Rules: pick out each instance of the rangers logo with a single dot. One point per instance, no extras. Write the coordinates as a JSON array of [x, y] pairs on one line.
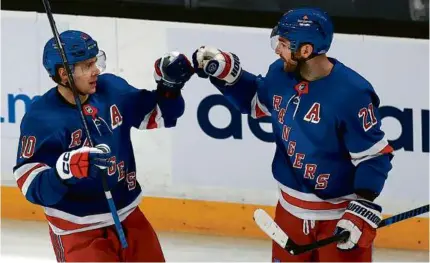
[[89, 110], [302, 87]]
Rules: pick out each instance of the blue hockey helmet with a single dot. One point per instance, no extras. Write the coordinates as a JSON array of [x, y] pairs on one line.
[[78, 46], [305, 26]]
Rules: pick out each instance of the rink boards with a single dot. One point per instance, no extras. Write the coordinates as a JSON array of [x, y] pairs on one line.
[[209, 173], [219, 218]]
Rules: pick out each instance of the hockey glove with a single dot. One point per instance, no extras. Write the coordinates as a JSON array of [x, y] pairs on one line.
[[210, 61], [83, 163], [361, 219], [171, 72]]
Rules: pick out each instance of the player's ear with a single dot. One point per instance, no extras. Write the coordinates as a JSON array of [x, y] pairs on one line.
[[63, 75], [306, 50]]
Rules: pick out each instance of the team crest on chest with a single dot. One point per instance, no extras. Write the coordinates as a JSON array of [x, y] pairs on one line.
[[302, 87], [314, 113]]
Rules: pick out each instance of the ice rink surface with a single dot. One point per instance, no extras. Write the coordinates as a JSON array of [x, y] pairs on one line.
[[25, 241]]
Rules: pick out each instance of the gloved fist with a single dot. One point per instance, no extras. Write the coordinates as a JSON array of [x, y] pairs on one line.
[[210, 61], [361, 219], [172, 71], [83, 162]]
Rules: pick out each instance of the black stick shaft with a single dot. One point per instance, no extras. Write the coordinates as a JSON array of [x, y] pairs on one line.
[[67, 68], [345, 235]]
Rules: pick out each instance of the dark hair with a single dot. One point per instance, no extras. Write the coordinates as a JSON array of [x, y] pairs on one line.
[[57, 77]]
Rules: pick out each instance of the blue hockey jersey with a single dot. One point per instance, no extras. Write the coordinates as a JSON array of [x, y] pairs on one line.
[[53, 126], [327, 133]]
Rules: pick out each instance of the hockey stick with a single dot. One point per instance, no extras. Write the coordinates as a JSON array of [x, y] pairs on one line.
[[108, 194], [268, 225]]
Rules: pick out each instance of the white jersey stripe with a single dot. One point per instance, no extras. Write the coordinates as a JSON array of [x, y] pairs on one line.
[[258, 107], [152, 120]]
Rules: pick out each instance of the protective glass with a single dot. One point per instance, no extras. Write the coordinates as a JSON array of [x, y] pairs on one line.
[[91, 67], [274, 38], [274, 42]]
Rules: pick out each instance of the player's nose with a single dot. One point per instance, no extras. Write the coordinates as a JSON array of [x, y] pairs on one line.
[[96, 72]]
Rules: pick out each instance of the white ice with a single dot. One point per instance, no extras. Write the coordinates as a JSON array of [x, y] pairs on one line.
[[23, 241]]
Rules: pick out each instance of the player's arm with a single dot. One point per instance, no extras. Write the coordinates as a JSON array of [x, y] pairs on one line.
[[367, 145], [371, 154], [44, 171], [243, 89], [144, 109]]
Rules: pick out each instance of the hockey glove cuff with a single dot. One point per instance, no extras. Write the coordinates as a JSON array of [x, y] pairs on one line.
[[361, 219]]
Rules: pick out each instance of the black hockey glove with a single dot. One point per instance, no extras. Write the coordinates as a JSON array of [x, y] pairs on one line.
[[171, 72]]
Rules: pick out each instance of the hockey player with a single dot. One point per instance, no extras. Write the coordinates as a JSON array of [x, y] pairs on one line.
[[331, 158], [57, 169]]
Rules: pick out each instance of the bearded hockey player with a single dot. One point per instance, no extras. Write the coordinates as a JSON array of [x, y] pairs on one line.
[[57, 169], [331, 158]]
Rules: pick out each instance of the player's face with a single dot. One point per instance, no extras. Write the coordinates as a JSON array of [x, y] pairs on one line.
[[283, 50], [86, 72]]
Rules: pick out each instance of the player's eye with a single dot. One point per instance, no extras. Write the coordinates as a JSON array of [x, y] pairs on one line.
[[285, 45], [90, 65]]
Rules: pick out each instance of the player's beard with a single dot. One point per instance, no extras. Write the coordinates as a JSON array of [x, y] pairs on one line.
[[293, 63], [290, 65]]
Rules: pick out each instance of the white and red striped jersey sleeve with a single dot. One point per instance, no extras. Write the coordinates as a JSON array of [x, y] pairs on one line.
[[39, 148], [364, 139]]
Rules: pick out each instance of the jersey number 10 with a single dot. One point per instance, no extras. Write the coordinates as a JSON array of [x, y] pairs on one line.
[[27, 146]]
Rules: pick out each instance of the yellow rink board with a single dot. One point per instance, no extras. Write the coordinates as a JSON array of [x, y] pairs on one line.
[[218, 218]]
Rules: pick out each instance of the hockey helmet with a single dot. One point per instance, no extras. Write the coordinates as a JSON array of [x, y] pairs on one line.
[[78, 46], [304, 26]]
